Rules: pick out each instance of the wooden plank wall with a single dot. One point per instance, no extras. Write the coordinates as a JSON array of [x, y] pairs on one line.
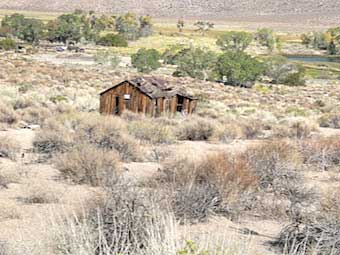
[[139, 102]]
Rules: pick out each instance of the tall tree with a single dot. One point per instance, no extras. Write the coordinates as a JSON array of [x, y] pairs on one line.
[[234, 40]]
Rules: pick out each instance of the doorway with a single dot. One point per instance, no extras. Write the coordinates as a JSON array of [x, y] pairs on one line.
[[180, 102], [116, 109]]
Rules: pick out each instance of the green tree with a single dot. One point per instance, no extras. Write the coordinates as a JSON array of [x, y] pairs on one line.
[[238, 68], [281, 71], [234, 40], [146, 25], [146, 60], [66, 28], [113, 40], [196, 63], [31, 31], [127, 25], [171, 55], [266, 37], [332, 50], [13, 23]]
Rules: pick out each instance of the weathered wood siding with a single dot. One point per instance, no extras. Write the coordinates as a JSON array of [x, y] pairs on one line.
[[140, 102]]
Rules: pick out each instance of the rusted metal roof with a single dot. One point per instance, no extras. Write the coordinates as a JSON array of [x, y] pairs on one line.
[[155, 88]]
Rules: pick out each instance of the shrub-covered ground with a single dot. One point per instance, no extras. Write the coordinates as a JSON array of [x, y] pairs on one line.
[[253, 171]]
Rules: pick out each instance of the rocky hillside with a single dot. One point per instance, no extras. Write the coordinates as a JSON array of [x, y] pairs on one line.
[[306, 10]]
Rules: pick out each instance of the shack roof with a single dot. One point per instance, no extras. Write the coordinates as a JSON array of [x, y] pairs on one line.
[[154, 87]]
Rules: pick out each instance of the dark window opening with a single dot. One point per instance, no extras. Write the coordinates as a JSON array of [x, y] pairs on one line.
[[116, 110], [180, 101]]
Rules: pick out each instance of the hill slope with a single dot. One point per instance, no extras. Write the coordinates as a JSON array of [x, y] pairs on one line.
[[218, 9]]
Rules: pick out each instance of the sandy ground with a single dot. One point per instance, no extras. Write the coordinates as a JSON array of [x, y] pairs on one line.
[[21, 222], [24, 221]]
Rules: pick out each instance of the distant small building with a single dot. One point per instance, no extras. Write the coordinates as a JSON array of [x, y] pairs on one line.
[[150, 96]]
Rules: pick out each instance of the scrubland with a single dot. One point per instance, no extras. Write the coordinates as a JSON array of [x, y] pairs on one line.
[[253, 171]]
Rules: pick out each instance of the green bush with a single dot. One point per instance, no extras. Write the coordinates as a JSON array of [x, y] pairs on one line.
[[146, 60], [234, 40], [196, 63], [7, 44], [238, 68], [112, 40]]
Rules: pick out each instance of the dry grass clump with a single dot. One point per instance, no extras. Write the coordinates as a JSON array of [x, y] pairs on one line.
[[196, 129], [130, 222], [131, 116], [151, 131], [330, 120], [282, 191], [8, 176], [41, 192], [8, 147], [51, 141], [331, 203], [216, 184], [231, 128], [277, 165], [7, 114], [324, 153], [87, 164], [9, 210], [34, 114], [22, 103], [317, 235], [108, 133], [295, 127]]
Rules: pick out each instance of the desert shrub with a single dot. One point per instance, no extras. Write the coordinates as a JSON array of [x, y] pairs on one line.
[[7, 44], [281, 71], [7, 114], [216, 184], [128, 223], [8, 147], [195, 129], [311, 235], [49, 141], [131, 116], [330, 120], [227, 132], [86, 164], [324, 153], [41, 192], [277, 165], [22, 103], [108, 133], [104, 57], [150, 131], [294, 127], [330, 204], [35, 115], [112, 40], [8, 176], [296, 78]]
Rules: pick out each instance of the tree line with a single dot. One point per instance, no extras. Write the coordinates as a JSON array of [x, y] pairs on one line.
[[233, 66], [78, 26]]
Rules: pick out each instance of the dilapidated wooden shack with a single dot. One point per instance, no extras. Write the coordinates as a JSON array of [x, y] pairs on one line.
[[150, 96]]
